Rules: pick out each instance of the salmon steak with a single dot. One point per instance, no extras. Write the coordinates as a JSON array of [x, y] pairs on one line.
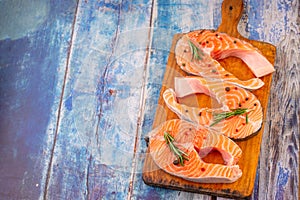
[[198, 53], [178, 146], [238, 115]]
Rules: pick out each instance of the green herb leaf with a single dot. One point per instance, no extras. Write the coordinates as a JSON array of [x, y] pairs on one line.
[[181, 155], [197, 54], [225, 115]]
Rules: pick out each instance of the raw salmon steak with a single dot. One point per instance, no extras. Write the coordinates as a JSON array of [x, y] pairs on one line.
[[198, 53], [239, 116], [220, 45], [196, 142]]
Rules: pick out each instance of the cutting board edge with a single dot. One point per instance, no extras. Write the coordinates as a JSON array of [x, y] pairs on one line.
[[221, 193]]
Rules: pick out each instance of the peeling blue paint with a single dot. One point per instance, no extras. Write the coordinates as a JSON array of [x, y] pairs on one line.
[[283, 177], [285, 6], [255, 15], [111, 5], [68, 103]]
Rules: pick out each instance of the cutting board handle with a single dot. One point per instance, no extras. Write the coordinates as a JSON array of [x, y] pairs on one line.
[[231, 15]]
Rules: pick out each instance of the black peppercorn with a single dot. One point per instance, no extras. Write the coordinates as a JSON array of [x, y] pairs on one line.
[[147, 140]]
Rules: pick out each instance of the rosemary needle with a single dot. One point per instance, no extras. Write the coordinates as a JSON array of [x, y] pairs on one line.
[[225, 115], [195, 51], [181, 155]]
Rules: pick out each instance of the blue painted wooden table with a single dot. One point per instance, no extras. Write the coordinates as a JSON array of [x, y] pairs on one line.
[[79, 84]]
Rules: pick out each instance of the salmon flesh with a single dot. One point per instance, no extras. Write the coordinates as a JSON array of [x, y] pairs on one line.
[[198, 53], [196, 141], [231, 98]]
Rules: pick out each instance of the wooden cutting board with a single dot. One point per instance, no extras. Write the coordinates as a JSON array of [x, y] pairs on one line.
[[243, 187]]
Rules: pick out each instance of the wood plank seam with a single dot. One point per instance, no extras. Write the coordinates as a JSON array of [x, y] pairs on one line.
[[73, 36], [142, 102], [87, 177], [102, 88]]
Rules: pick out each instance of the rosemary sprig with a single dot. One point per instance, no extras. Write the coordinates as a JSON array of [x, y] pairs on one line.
[[225, 115], [195, 51], [181, 155]]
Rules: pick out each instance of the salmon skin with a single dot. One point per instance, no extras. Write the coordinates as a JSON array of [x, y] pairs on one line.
[[196, 141], [198, 53], [242, 107]]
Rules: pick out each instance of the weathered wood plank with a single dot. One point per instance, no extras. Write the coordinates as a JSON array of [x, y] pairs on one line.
[[34, 41], [279, 164], [96, 137]]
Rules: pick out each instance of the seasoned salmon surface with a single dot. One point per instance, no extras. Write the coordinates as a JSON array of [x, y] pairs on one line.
[[221, 45], [198, 52], [239, 116], [196, 142]]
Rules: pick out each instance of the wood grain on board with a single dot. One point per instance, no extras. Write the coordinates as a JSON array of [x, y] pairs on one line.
[[243, 187]]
